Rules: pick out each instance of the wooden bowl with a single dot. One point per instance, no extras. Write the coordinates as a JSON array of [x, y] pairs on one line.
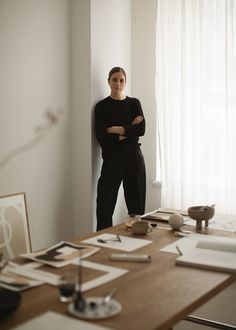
[[201, 212]]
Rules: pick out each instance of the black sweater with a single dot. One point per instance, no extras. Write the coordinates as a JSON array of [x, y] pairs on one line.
[[110, 112]]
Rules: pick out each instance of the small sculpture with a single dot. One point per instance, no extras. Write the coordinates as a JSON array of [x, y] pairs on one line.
[[176, 221]]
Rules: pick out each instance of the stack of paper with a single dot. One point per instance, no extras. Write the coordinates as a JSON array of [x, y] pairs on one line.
[[15, 282]]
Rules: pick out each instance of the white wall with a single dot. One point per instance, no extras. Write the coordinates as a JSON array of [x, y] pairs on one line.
[[81, 107], [111, 46], [57, 53], [34, 66], [118, 36], [101, 39], [143, 86]]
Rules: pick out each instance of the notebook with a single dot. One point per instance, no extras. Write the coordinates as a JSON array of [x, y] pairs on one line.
[[212, 253]]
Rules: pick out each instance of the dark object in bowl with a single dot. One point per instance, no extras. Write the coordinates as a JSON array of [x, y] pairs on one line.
[[201, 213], [9, 301]]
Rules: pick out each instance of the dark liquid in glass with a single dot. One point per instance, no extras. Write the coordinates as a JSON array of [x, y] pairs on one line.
[[67, 289]]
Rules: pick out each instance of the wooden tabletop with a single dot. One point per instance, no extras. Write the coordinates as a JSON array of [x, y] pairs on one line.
[[153, 295]]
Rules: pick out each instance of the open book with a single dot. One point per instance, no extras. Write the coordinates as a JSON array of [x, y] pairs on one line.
[[211, 254]]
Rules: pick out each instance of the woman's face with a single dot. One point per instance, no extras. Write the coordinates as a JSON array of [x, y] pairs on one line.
[[117, 83]]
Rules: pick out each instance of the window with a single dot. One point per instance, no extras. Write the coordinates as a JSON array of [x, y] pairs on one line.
[[196, 102]]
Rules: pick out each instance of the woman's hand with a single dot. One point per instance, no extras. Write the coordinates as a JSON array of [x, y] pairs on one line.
[[137, 120]]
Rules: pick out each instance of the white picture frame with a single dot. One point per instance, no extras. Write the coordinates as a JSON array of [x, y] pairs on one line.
[[14, 226]]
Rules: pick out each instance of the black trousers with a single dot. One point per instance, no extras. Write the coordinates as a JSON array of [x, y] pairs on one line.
[[127, 166]]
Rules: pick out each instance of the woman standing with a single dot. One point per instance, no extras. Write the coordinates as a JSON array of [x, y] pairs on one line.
[[119, 122]]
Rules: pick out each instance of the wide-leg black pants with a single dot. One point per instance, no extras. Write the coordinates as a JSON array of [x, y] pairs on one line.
[[127, 166]]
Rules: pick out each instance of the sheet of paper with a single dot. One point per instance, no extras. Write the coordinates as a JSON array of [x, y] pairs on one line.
[[16, 282], [55, 321], [30, 270], [127, 243], [111, 273], [189, 243]]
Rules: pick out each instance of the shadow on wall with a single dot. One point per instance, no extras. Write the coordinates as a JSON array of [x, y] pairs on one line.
[[51, 119]]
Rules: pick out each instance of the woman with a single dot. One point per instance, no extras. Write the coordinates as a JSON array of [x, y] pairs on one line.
[[119, 122]]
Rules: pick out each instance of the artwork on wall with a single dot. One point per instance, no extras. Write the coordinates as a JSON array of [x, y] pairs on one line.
[[14, 226]]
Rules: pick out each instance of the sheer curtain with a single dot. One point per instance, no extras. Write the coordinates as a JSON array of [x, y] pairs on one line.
[[196, 102]]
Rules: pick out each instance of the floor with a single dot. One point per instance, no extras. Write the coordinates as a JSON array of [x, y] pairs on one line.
[[221, 308]]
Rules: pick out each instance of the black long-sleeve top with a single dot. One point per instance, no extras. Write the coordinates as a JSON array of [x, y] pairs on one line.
[[110, 112]]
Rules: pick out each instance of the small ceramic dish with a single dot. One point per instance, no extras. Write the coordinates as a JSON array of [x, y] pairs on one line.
[[96, 309]]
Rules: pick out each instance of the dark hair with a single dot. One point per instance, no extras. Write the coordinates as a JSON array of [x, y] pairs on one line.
[[116, 69]]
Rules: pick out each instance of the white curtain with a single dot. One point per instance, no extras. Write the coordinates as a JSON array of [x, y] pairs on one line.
[[196, 102]]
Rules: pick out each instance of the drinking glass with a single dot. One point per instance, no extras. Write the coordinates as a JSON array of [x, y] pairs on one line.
[[66, 285]]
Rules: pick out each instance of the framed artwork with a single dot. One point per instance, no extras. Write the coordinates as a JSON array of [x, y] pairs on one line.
[[14, 226]]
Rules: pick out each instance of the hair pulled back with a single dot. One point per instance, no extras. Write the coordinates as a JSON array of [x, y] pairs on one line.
[[116, 69]]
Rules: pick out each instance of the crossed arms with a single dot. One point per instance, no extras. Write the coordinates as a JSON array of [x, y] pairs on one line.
[[120, 130]]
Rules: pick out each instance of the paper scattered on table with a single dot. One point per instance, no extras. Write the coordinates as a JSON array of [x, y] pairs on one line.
[[189, 242], [111, 273], [54, 321], [126, 244], [15, 282], [31, 271], [61, 254]]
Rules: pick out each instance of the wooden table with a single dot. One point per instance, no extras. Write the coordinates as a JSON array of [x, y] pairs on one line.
[[153, 295]]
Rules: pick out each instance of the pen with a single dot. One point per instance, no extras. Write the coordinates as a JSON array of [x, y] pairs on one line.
[[178, 249], [100, 240]]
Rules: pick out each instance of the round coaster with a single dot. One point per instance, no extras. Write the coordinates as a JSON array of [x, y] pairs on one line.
[[96, 309], [9, 301]]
